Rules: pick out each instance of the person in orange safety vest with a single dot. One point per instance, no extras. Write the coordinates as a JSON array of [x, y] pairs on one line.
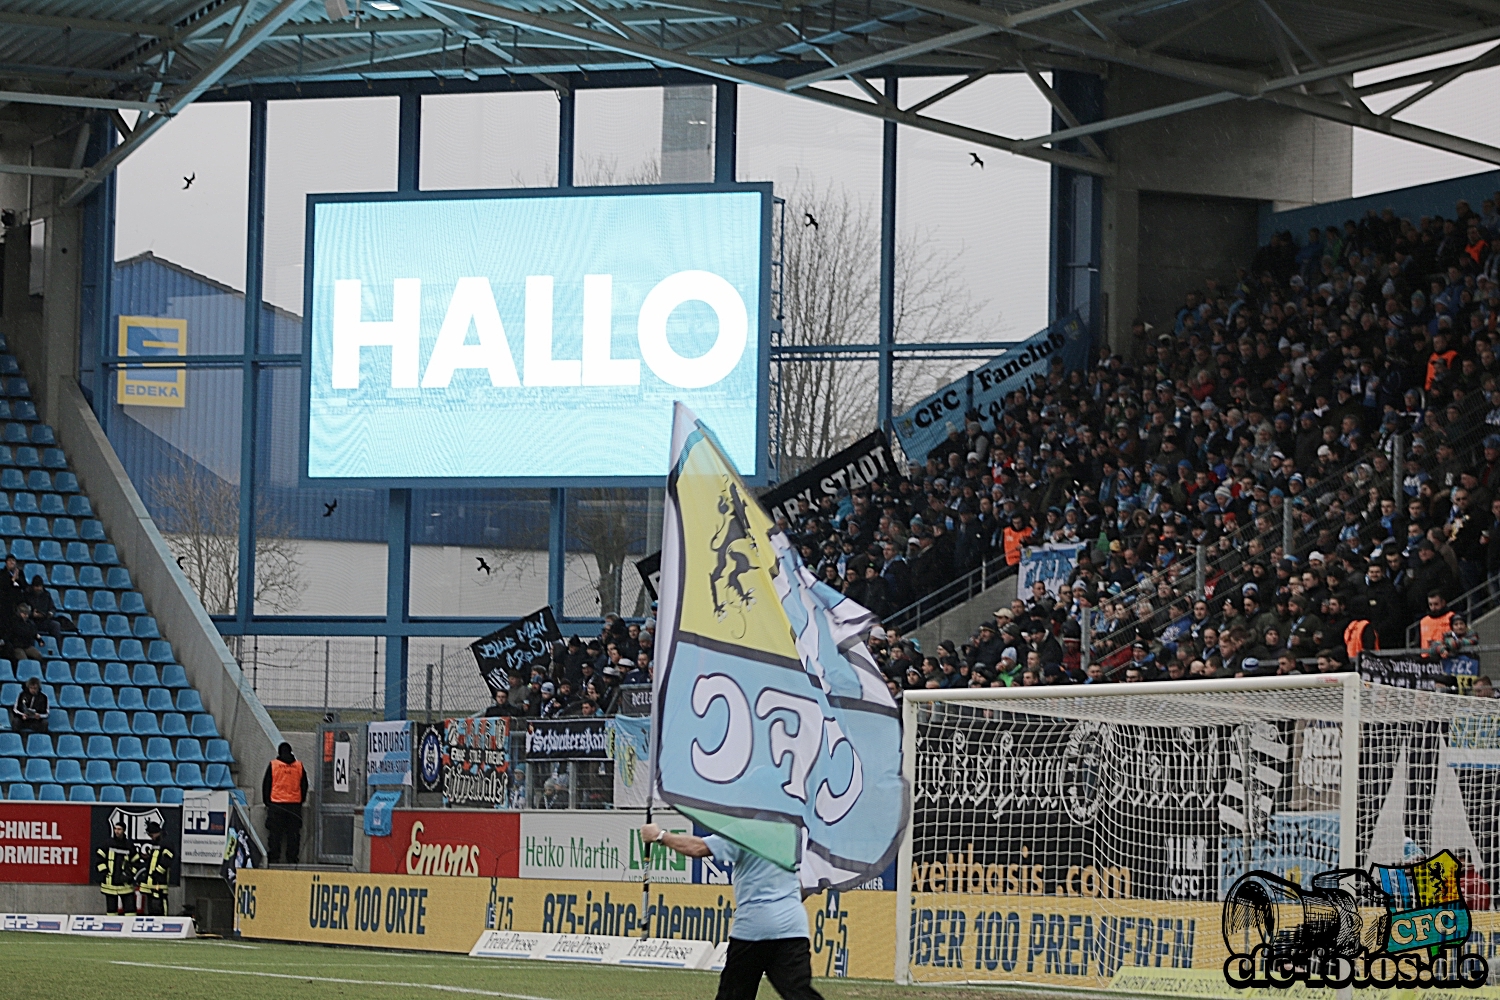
[[284, 789]]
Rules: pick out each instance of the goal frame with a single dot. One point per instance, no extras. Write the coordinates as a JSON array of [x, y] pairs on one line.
[[1351, 683]]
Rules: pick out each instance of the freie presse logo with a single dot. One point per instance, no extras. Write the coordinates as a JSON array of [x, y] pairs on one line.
[[1400, 926]]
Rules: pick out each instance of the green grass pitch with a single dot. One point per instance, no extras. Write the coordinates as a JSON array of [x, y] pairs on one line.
[[55, 967]]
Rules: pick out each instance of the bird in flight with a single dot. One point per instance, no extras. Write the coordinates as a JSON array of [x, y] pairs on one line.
[[810, 220], [187, 182], [329, 508], [179, 563], [977, 162], [484, 566]]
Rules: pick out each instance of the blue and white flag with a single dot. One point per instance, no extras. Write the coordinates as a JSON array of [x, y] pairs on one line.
[[772, 725]]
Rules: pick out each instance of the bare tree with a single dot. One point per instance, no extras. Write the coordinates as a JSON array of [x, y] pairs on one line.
[[597, 171], [609, 523], [200, 513]]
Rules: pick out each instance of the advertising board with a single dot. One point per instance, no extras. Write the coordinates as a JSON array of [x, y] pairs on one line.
[[443, 328]]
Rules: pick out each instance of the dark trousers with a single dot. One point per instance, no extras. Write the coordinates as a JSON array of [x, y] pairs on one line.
[[787, 962], [29, 726], [119, 905], [156, 906], [284, 829]]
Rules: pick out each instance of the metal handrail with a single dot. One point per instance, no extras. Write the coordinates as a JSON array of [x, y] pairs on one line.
[[1479, 599], [950, 595]]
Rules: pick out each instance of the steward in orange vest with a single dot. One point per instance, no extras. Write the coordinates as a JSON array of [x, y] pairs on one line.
[[1360, 635], [1014, 537], [284, 789]]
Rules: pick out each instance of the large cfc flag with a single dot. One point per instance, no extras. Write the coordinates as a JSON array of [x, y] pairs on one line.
[[771, 723]]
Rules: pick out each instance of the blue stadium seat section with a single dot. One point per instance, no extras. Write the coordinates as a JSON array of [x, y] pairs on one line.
[[126, 725]]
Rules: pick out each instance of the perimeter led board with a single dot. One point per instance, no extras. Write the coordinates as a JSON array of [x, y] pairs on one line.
[[533, 337]]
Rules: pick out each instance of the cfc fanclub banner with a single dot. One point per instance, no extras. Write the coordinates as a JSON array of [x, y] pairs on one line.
[[926, 425], [1049, 565], [476, 762]]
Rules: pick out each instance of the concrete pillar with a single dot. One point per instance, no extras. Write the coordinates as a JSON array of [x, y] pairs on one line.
[[687, 134]]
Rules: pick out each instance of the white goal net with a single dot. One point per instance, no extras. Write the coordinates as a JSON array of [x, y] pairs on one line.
[[1089, 836]]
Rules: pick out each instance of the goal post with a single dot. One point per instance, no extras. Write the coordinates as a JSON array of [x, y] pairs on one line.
[[1087, 836]]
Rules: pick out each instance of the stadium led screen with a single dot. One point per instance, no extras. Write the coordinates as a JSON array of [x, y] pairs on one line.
[[534, 336]]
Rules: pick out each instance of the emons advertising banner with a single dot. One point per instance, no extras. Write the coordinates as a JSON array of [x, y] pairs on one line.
[[530, 335]]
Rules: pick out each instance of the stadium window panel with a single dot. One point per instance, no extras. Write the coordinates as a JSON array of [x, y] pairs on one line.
[[168, 264], [608, 530], [479, 553], [489, 140], [617, 137], [344, 144]]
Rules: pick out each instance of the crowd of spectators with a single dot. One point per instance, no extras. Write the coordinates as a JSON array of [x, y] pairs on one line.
[[1350, 381], [581, 678]]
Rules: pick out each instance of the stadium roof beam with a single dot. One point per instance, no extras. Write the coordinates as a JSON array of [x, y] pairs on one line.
[[87, 24], [206, 78], [1438, 82], [877, 59], [1375, 123], [1061, 107], [468, 30], [71, 101]]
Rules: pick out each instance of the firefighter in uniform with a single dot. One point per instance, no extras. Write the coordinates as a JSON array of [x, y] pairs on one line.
[[117, 861], [155, 872], [284, 789]]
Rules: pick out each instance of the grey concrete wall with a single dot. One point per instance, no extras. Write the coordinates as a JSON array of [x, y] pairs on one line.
[[1183, 238], [960, 623]]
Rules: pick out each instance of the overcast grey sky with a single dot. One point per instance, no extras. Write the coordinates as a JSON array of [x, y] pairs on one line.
[[992, 221]]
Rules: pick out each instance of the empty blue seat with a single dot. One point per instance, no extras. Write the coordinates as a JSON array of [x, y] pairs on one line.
[[173, 676], [14, 433], [39, 745], [21, 792], [74, 648], [42, 434], [53, 458], [10, 770], [189, 775], [69, 772], [144, 724], [37, 527], [49, 551], [32, 570], [89, 624], [131, 650], [171, 796], [143, 675], [4, 503], [81, 793], [53, 505], [142, 795], [38, 481], [117, 627], [159, 748], [90, 576], [118, 578], [104, 554], [52, 793], [90, 530], [75, 600], [101, 748], [158, 774], [23, 409], [24, 503], [71, 696], [37, 769], [128, 772], [9, 692], [57, 722], [98, 772], [17, 387], [104, 602], [58, 672], [129, 748], [116, 723], [161, 652], [217, 776], [145, 628], [77, 552], [7, 672], [62, 574], [28, 457], [10, 525], [203, 726], [86, 722], [101, 697], [27, 670], [188, 701], [158, 699], [11, 745], [117, 674], [102, 649], [86, 672], [47, 642], [111, 793], [217, 751], [175, 724], [8, 366], [12, 479], [78, 506], [65, 482], [70, 747], [131, 699], [190, 749], [132, 603]]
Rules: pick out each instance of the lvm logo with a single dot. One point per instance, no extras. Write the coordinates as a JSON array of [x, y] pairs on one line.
[[472, 305]]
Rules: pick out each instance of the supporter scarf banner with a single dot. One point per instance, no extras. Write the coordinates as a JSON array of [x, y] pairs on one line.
[[516, 648], [628, 739], [863, 462], [476, 761], [1048, 564], [388, 753], [771, 724], [1418, 672], [633, 699], [566, 739], [925, 426]]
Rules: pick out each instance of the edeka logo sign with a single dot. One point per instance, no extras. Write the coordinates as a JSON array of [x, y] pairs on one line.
[[158, 384], [503, 337], [1398, 926]]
